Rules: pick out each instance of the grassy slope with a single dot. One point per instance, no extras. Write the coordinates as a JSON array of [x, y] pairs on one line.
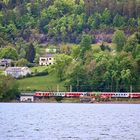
[[41, 83], [47, 83], [38, 68], [1, 72]]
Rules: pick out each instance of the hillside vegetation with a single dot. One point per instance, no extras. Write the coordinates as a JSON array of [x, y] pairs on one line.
[[53, 21], [97, 42]]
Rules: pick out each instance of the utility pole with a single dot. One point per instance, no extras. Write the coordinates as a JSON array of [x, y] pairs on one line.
[[131, 88], [77, 83], [57, 88], [70, 88]]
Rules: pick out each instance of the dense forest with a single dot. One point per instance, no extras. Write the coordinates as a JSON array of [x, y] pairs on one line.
[[56, 21], [26, 25]]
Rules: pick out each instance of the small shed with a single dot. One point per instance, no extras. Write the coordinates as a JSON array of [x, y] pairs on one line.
[[27, 97]]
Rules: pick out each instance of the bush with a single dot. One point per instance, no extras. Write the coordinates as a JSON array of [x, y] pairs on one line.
[[43, 73], [31, 65], [58, 98], [8, 88]]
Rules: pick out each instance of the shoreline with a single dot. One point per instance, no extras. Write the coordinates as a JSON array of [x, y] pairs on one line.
[[79, 102], [73, 100]]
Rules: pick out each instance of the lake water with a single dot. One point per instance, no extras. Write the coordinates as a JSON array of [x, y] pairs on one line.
[[40, 121]]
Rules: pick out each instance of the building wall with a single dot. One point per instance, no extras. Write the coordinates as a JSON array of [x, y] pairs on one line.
[[17, 73], [45, 61], [5, 62], [26, 98]]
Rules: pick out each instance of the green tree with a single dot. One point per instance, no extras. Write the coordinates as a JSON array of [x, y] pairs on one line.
[[106, 16], [22, 62], [8, 88], [132, 44], [119, 39], [97, 20], [9, 53], [76, 77], [85, 45], [118, 21], [30, 53], [22, 53], [62, 61]]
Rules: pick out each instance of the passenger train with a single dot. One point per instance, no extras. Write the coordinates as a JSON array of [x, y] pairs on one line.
[[92, 94]]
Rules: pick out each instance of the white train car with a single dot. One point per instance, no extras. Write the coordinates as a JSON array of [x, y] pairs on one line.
[[120, 95]]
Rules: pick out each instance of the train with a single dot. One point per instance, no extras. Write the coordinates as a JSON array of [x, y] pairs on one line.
[[91, 94]]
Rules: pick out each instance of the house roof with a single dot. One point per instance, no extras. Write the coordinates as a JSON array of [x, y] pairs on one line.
[[48, 55], [27, 94], [16, 68], [5, 61]]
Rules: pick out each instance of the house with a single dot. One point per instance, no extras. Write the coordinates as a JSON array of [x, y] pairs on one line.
[[46, 60], [27, 97], [5, 62], [17, 71]]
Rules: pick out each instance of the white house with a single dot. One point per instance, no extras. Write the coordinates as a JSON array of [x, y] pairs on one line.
[[5, 62], [46, 60], [17, 71]]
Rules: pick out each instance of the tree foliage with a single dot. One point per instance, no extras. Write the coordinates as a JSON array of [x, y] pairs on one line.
[[62, 61], [9, 53], [64, 21], [105, 70], [85, 45], [8, 88], [30, 53], [119, 39]]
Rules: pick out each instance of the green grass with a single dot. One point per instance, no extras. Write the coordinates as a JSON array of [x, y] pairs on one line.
[[1, 72], [41, 83], [97, 46], [41, 51]]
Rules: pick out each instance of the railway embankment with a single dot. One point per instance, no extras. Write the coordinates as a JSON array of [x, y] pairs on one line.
[[77, 100], [89, 100]]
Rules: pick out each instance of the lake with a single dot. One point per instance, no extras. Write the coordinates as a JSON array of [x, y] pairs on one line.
[[46, 121]]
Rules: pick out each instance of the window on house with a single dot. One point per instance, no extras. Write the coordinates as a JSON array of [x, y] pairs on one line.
[[42, 59]]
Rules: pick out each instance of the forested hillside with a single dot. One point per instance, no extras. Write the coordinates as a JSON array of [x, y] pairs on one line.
[[56, 21], [97, 41]]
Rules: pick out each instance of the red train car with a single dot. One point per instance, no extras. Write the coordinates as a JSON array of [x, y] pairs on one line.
[[82, 94], [134, 95]]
